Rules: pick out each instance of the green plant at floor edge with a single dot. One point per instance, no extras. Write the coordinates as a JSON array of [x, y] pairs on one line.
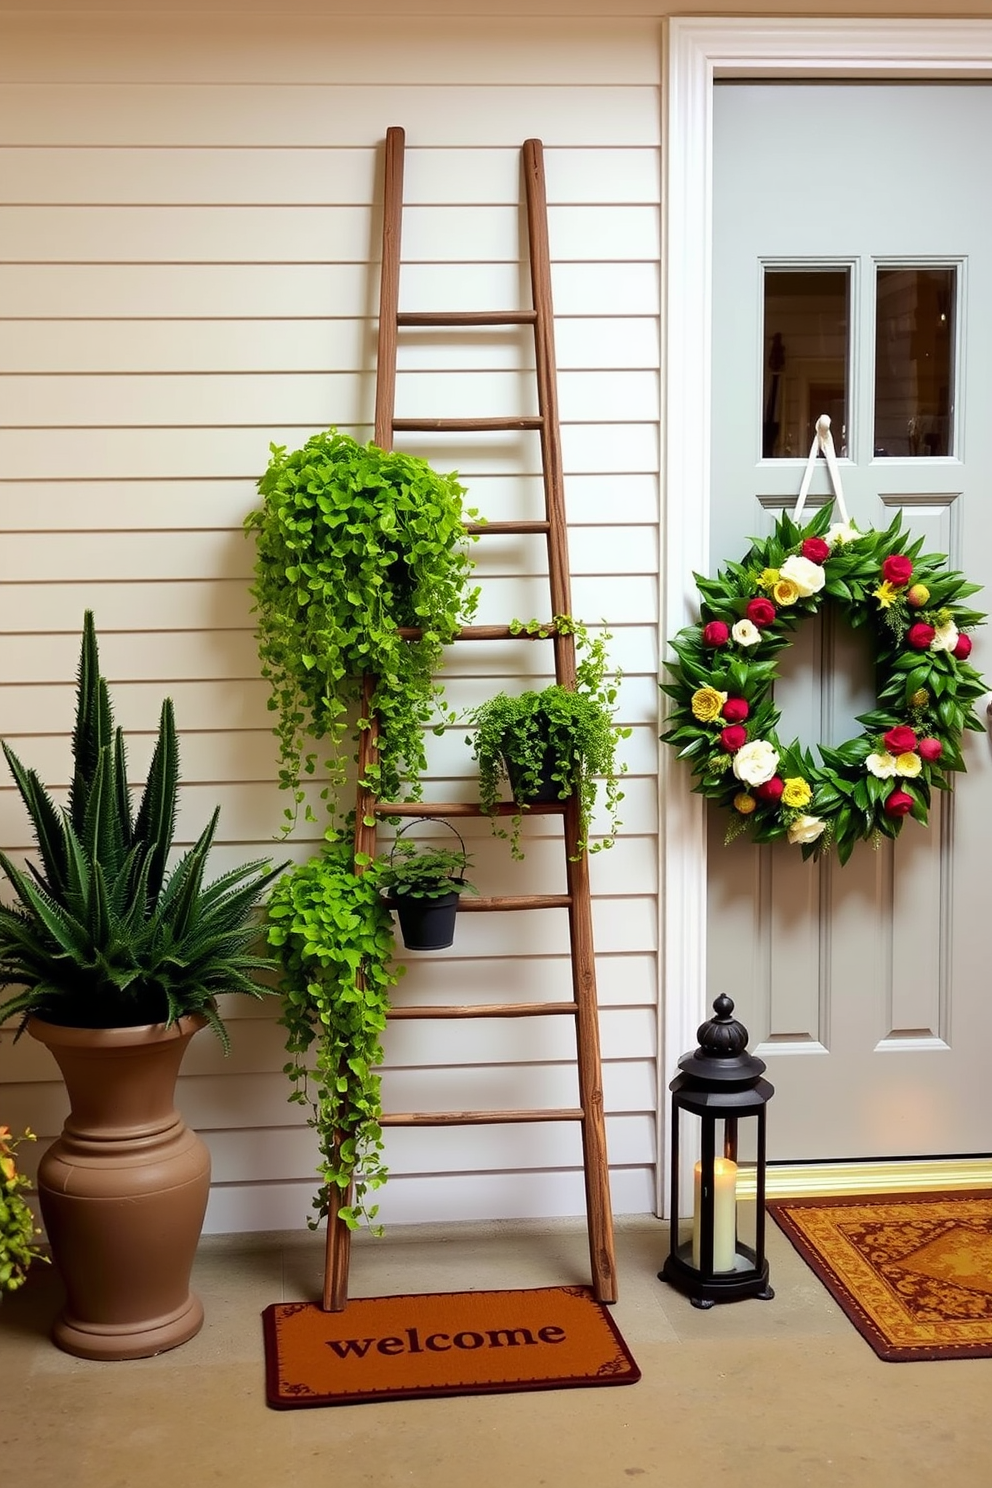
[[104, 934], [17, 1227], [333, 935], [354, 543], [567, 737]]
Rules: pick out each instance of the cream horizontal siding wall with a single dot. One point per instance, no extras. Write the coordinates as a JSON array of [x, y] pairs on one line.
[[189, 238]]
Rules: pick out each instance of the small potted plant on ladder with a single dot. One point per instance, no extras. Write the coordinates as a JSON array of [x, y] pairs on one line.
[[424, 885]]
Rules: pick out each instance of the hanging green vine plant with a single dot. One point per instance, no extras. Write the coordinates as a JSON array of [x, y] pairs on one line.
[[333, 937], [354, 543]]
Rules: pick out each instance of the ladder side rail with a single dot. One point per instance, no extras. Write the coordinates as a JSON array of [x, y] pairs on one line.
[[547, 402], [599, 1212], [337, 1251]]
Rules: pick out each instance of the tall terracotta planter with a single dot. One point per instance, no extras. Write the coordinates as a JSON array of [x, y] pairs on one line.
[[123, 1191]]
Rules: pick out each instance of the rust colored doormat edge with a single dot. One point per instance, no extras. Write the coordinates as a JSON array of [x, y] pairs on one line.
[[911, 1271], [441, 1343]]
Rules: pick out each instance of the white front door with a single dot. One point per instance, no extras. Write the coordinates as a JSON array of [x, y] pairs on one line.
[[853, 221]]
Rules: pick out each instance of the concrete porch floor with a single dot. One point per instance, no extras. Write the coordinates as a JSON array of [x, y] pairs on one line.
[[781, 1394]]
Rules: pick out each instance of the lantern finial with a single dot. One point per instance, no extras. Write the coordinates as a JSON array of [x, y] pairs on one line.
[[723, 1036]]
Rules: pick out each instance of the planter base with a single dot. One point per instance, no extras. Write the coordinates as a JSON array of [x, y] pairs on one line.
[[92, 1341]]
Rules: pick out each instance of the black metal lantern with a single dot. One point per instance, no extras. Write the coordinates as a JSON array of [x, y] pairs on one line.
[[721, 1090]]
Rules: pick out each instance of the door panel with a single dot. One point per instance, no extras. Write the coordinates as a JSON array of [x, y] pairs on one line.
[[862, 986]]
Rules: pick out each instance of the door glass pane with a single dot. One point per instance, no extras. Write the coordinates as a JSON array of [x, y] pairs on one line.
[[914, 359], [805, 358]]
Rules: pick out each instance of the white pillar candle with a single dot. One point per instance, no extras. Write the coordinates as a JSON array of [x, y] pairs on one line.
[[724, 1214]]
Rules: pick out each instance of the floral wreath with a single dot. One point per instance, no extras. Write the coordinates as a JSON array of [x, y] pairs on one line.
[[724, 718]]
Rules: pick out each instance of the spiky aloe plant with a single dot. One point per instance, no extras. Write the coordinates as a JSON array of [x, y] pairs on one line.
[[103, 934]]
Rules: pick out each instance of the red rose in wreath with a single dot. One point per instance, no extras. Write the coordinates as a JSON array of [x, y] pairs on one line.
[[920, 635], [735, 710], [733, 738], [962, 650], [761, 612], [816, 550], [898, 804], [900, 740], [897, 569], [716, 633]]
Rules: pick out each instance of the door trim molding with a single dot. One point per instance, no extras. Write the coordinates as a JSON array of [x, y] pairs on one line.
[[813, 1180], [697, 52]]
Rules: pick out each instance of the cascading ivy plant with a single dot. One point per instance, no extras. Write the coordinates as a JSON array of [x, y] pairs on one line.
[[333, 937], [354, 543], [561, 736]]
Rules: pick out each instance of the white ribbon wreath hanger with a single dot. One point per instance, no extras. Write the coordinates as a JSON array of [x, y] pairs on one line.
[[822, 440]]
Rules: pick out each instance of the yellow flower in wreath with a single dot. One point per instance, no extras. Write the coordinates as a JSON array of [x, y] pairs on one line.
[[744, 803], [768, 578], [797, 792], [886, 595], [707, 704], [785, 591]]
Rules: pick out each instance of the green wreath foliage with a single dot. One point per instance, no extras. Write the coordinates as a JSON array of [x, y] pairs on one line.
[[723, 717]]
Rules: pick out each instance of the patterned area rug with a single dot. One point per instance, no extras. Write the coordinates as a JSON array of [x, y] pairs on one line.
[[913, 1272], [442, 1343]]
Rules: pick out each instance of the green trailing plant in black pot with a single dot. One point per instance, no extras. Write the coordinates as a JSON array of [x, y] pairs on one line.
[[354, 544], [551, 744], [332, 933], [423, 884]]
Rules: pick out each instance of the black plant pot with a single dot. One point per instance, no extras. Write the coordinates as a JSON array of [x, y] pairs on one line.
[[548, 789], [426, 924]]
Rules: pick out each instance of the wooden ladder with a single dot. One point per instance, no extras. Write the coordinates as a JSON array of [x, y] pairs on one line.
[[583, 1005]]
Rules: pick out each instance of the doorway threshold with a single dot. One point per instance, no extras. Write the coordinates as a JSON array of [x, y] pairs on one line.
[[885, 1175]]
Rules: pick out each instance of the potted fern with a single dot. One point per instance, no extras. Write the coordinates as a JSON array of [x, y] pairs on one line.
[[424, 885], [117, 959], [552, 744], [361, 571], [17, 1227]]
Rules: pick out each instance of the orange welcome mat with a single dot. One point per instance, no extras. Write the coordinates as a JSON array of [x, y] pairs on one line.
[[441, 1343], [913, 1272]]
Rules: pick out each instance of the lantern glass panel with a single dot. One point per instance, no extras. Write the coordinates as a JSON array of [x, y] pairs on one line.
[[731, 1142]]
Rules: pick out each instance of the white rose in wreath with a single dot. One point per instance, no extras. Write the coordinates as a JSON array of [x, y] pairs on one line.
[[756, 762], [842, 532], [945, 637], [806, 829], [882, 766], [808, 577], [746, 633]]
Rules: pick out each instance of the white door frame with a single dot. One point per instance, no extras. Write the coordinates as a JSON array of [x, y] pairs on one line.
[[698, 52]]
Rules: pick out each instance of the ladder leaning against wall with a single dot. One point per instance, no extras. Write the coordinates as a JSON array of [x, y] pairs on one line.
[[582, 1007]]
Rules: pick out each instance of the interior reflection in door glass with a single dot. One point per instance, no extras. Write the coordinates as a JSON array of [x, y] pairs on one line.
[[805, 356], [914, 350]]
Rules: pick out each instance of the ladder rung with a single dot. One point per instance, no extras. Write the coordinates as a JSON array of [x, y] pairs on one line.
[[513, 901], [486, 1010], [466, 317], [479, 1118], [471, 426], [463, 808], [484, 633], [521, 527]]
